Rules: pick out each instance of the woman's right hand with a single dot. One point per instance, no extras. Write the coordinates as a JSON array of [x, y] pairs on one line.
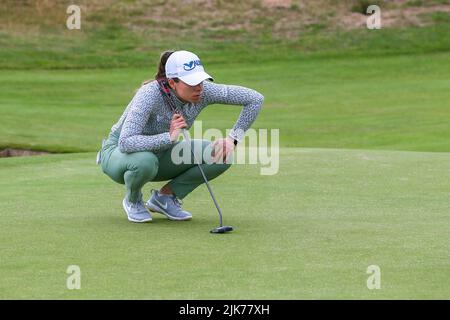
[[176, 125]]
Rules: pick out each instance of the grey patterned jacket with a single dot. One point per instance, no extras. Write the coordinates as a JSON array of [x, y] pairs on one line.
[[145, 123]]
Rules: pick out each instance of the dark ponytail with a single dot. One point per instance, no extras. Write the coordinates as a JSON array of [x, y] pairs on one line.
[[161, 74]]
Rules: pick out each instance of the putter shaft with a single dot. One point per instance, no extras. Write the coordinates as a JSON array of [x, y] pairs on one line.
[[186, 137]]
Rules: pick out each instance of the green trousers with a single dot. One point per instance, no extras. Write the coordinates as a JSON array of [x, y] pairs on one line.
[[137, 168]]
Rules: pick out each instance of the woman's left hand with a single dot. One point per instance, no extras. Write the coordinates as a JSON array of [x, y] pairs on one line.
[[222, 149]]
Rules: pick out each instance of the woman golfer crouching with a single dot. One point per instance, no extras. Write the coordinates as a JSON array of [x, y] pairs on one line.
[[139, 147]]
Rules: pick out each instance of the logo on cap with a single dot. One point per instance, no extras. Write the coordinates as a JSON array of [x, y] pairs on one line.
[[191, 65]]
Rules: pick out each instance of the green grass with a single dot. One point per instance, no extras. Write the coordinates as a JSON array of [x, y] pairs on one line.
[[345, 198], [342, 210], [114, 46], [386, 102]]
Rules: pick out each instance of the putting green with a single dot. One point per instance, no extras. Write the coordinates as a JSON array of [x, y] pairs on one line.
[[311, 231]]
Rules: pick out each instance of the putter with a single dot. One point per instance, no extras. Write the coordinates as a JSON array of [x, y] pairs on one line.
[[221, 228]]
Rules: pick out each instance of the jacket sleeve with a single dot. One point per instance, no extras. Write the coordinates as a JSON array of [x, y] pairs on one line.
[[250, 99], [131, 137]]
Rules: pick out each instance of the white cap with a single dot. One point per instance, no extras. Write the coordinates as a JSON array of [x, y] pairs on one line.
[[186, 66]]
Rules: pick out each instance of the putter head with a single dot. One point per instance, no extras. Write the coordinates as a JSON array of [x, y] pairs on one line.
[[222, 229]]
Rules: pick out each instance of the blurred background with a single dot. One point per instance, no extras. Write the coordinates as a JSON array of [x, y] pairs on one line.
[[328, 80]]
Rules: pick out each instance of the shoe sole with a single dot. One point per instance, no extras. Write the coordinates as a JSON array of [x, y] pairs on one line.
[[134, 220], [152, 208]]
